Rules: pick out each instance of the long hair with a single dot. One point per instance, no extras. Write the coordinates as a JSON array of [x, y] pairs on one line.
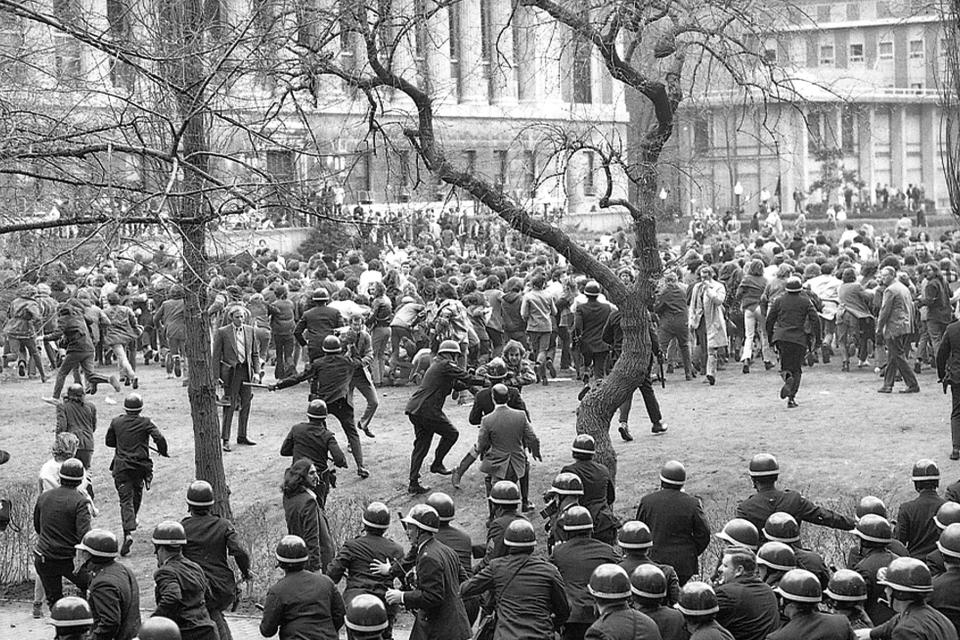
[[295, 478]]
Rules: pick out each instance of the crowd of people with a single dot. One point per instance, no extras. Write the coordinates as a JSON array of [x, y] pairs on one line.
[[431, 312]]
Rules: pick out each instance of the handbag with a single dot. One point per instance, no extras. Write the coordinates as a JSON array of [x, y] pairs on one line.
[[488, 623]]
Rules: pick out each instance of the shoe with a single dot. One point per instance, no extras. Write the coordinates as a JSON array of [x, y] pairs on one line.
[[226, 447], [440, 470], [669, 368], [551, 370], [916, 367], [542, 374], [527, 507], [455, 478], [884, 390], [115, 383], [658, 429], [792, 404], [177, 370], [625, 432], [136, 383], [261, 377], [21, 368], [768, 365], [246, 442], [711, 379], [746, 367], [127, 543], [785, 389], [363, 473], [845, 366], [366, 431], [38, 610], [955, 454], [126, 381], [418, 489], [910, 390]]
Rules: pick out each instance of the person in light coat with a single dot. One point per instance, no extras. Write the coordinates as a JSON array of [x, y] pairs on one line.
[[707, 320]]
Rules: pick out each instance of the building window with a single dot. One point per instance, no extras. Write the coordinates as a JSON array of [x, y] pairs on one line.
[[814, 134], [853, 11], [916, 49], [701, 134], [856, 52], [885, 50], [827, 57], [501, 156], [589, 185], [823, 13], [770, 54], [470, 158], [848, 129], [582, 77]]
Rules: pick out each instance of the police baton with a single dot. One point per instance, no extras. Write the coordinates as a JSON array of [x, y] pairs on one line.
[[256, 385]]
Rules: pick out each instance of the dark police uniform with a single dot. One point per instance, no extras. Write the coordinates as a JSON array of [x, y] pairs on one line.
[[631, 561], [873, 560], [132, 467], [812, 562], [440, 614], [315, 442], [946, 595], [459, 541], [532, 605], [712, 631], [60, 518], [748, 608], [303, 605], [915, 526], [181, 591], [114, 598], [576, 559], [598, 495], [668, 620], [758, 507], [353, 561], [495, 529], [318, 322], [793, 326], [918, 621], [679, 528], [815, 626], [209, 539], [80, 419], [620, 622]]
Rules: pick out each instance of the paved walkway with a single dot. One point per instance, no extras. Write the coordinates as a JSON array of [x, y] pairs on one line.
[[17, 621]]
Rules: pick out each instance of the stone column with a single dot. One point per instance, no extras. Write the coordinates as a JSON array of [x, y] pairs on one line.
[[502, 64], [898, 148], [528, 72], [473, 85], [929, 143], [439, 81], [867, 168]]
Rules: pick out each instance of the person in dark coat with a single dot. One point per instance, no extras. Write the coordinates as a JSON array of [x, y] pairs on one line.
[[679, 527], [793, 327], [458, 540], [504, 502], [599, 492], [576, 559], [305, 519], [181, 588], [330, 376], [435, 596], [908, 585], [113, 594], [74, 336], [302, 604], [282, 314], [648, 584], [948, 374], [78, 416], [915, 525], [239, 365], [589, 318], [800, 592], [610, 588], [531, 602], [425, 411], [316, 323], [634, 540], [356, 556], [314, 441], [748, 606], [671, 308], [61, 519], [132, 468], [210, 539], [946, 586]]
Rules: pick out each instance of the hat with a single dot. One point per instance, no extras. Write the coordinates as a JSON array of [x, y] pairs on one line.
[[793, 285]]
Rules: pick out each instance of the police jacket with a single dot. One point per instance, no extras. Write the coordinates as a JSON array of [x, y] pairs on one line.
[[758, 507], [712, 631], [181, 591], [588, 322], [812, 562], [114, 598], [873, 560], [317, 323], [633, 560], [679, 528], [815, 626], [302, 513], [793, 318], [329, 376], [483, 404], [78, 418], [209, 539], [922, 622], [620, 622], [61, 519], [598, 489], [948, 355], [438, 382], [436, 595], [530, 597], [354, 560], [576, 559], [748, 608], [459, 541], [495, 530], [303, 606], [915, 525], [668, 620], [313, 441], [130, 435], [946, 595]]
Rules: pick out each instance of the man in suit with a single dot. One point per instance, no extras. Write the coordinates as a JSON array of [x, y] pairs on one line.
[[748, 606], [239, 363], [505, 434], [588, 321], [895, 325], [676, 520]]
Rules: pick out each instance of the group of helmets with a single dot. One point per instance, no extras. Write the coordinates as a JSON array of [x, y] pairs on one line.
[[72, 616], [611, 582]]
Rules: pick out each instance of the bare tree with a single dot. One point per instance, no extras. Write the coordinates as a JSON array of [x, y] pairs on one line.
[[949, 78]]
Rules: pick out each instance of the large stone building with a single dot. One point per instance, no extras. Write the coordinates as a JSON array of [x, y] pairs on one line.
[[859, 80]]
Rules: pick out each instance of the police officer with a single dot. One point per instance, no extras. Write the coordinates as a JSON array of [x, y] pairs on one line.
[[318, 322], [698, 604], [209, 539], [846, 594], [440, 614], [634, 540], [302, 604], [781, 527], [610, 587], [132, 467], [676, 519], [748, 607], [113, 594], [330, 374], [78, 416], [648, 584], [456, 539], [367, 618], [947, 514], [915, 526], [531, 602], [356, 555], [764, 471], [72, 618], [774, 559], [576, 559], [946, 586], [793, 327], [180, 585], [61, 519], [159, 628], [908, 584], [599, 492], [504, 501], [314, 441], [801, 595], [564, 493], [425, 411], [875, 534], [873, 504]]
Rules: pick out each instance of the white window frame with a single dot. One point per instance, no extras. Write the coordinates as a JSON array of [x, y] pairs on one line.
[[880, 50], [856, 57], [918, 54], [827, 61]]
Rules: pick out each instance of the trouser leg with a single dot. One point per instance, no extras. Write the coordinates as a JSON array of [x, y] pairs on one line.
[[650, 401], [955, 415], [423, 435], [343, 411], [369, 393], [448, 437]]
